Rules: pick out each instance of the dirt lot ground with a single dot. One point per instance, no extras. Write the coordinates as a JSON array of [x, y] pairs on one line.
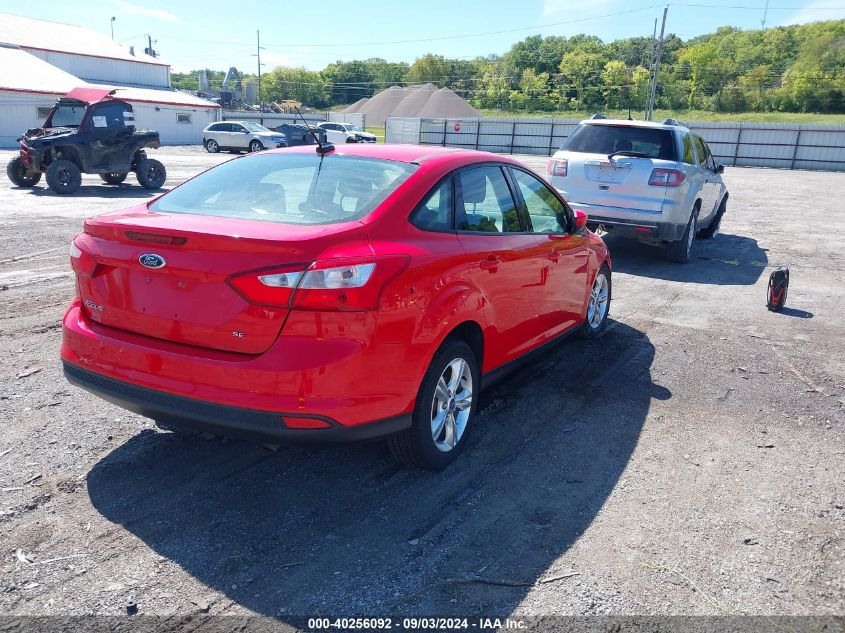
[[689, 462]]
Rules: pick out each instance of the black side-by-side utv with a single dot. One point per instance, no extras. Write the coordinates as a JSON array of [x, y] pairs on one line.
[[86, 132]]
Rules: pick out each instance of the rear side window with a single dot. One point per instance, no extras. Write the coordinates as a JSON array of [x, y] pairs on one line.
[[435, 212], [705, 159], [689, 155], [485, 203], [607, 139], [289, 188]]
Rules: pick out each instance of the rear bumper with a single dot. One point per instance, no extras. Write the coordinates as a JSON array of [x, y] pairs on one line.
[[329, 366], [642, 230], [200, 415]]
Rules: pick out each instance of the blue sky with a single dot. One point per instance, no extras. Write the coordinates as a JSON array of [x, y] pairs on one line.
[[215, 34]]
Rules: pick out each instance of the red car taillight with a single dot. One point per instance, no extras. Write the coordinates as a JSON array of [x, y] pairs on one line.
[[334, 284], [557, 167], [81, 262], [666, 177]]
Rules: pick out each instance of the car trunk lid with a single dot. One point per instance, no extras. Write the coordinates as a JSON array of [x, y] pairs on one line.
[[166, 275]]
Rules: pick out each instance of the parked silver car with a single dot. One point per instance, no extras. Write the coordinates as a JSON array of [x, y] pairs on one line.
[[241, 136], [656, 182]]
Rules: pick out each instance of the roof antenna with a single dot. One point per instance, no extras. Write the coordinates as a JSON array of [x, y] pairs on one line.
[[321, 148]]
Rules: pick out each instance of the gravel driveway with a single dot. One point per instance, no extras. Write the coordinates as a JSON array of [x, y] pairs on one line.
[[688, 462]]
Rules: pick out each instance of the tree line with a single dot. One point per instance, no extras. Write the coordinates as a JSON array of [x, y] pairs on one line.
[[797, 68]]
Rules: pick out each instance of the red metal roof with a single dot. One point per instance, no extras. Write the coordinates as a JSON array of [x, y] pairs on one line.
[[89, 95]]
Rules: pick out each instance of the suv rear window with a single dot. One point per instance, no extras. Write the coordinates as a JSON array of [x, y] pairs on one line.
[[289, 188], [606, 139]]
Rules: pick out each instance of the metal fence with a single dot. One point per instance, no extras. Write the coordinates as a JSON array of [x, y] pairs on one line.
[[273, 119], [789, 146]]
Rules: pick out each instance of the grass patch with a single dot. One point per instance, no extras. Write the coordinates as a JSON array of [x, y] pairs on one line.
[[378, 130]]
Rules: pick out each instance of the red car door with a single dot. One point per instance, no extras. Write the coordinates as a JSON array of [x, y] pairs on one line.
[[502, 261], [564, 254]]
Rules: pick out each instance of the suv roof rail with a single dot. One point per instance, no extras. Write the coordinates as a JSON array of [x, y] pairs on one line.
[[671, 121], [599, 115]]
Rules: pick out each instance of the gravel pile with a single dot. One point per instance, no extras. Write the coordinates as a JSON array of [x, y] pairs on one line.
[[423, 100]]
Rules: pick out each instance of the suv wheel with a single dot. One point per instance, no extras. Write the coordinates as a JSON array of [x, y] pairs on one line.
[[115, 177], [211, 146], [255, 146], [444, 410], [151, 174], [16, 171], [681, 250], [598, 305], [63, 176], [712, 230]]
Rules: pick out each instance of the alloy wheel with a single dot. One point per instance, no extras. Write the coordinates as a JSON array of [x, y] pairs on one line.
[[451, 405], [599, 297]]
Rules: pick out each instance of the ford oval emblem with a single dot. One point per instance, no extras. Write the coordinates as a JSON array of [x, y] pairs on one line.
[[151, 260]]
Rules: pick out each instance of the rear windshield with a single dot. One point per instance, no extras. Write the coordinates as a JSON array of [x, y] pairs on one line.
[[606, 139], [289, 188]]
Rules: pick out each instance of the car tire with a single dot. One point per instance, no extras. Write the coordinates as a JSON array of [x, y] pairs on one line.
[[115, 177], [712, 230], [151, 174], [598, 305], [255, 146], [452, 408], [681, 250], [63, 176], [16, 171], [211, 146]]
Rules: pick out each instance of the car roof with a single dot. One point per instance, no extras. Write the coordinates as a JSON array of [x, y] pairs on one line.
[[634, 123], [408, 153]]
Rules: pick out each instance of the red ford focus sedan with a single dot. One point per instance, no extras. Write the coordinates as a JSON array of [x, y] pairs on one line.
[[367, 291]]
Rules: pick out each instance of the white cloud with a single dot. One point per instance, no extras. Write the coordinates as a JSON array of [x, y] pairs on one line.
[[817, 10], [158, 14]]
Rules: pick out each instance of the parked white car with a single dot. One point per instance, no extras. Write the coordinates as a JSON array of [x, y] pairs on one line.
[[656, 182], [337, 132], [241, 136]]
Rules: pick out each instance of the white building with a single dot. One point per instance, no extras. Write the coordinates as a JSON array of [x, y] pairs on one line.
[[41, 61]]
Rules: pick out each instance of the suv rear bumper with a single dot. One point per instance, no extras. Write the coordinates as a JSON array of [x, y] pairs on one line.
[[199, 415], [645, 231]]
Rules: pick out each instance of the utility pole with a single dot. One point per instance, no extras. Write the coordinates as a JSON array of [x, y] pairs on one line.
[[258, 55], [112, 27], [765, 13], [651, 65], [653, 90]]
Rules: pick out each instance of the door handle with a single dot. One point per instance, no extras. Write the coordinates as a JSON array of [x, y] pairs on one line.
[[554, 256], [491, 263]]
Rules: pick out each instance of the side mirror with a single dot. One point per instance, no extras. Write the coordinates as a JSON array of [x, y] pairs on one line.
[[580, 219], [720, 168]]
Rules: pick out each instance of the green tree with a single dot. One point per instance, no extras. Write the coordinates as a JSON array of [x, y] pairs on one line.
[[616, 88]]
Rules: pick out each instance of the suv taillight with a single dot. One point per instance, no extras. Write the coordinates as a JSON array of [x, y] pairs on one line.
[[335, 284], [661, 177], [557, 167]]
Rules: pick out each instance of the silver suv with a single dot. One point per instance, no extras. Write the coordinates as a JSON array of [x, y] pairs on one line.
[[241, 136], [656, 182]]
